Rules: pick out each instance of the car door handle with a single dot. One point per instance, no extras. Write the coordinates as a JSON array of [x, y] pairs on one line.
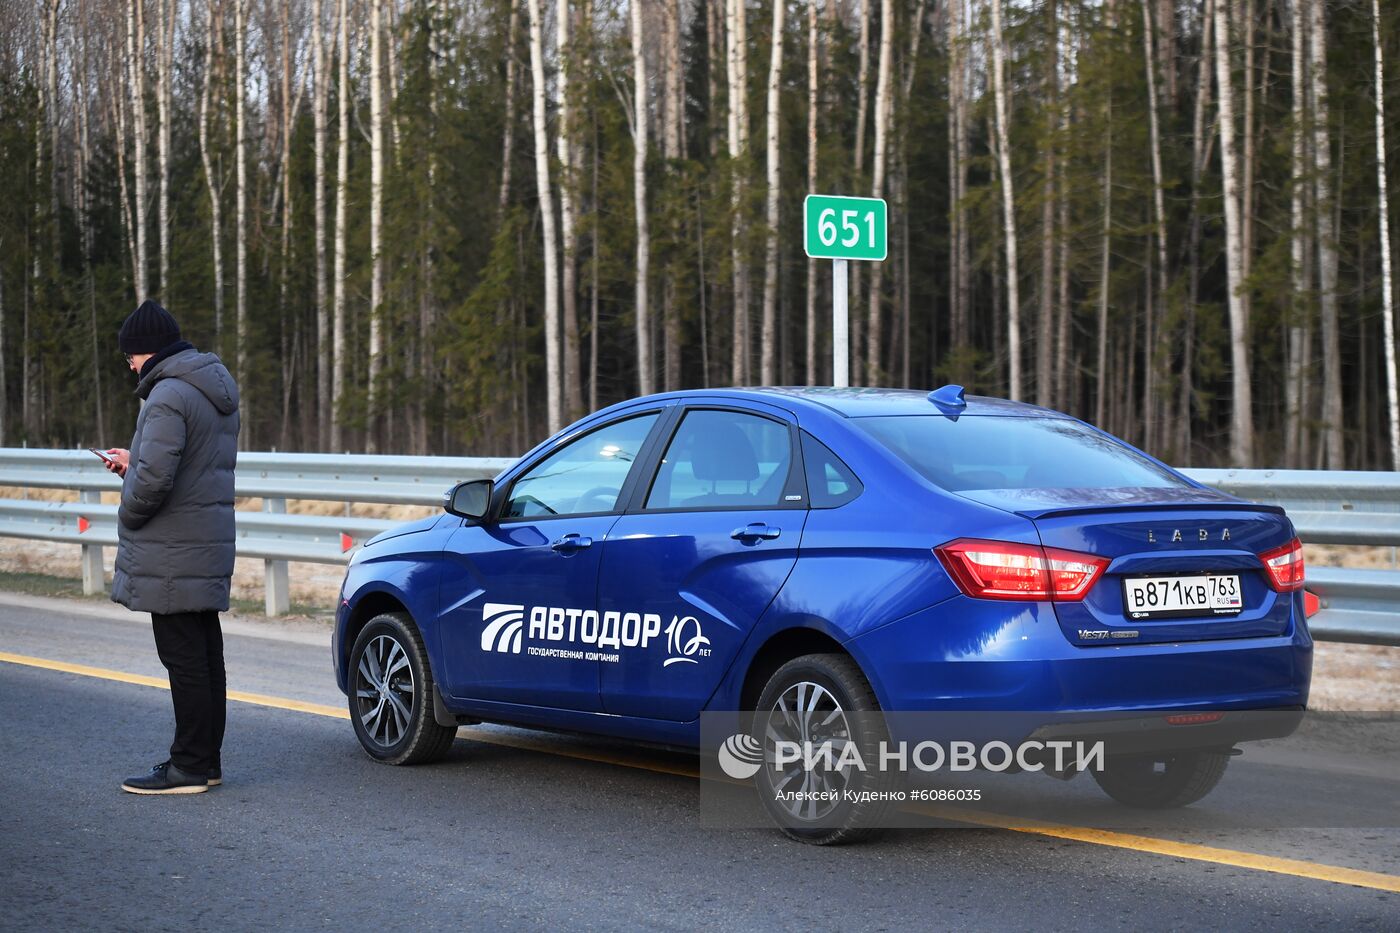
[[571, 542], [755, 530]]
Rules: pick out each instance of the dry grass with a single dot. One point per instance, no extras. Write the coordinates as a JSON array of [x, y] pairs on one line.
[[1346, 555], [403, 513]]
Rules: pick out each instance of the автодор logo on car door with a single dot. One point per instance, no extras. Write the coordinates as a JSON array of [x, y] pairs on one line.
[[560, 629]]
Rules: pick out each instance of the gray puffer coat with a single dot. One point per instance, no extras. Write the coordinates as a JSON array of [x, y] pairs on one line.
[[176, 535]]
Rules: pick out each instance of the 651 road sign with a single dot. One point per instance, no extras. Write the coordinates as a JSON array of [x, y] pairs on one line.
[[845, 228]]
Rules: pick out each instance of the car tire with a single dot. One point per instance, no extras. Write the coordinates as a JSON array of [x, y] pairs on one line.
[[391, 694], [842, 688], [1157, 783]]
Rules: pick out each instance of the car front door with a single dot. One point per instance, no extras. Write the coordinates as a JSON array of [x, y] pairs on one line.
[[519, 602], [700, 555]]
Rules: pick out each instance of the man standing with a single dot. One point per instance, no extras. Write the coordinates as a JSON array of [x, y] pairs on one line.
[[176, 535]]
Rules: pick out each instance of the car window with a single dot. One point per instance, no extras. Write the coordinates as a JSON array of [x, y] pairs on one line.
[[977, 453], [723, 459], [829, 481], [585, 475]]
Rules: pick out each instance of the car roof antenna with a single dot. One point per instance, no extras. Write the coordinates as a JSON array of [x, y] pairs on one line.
[[949, 400]]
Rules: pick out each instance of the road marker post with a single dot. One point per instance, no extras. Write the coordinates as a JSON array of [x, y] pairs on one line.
[[841, 229]]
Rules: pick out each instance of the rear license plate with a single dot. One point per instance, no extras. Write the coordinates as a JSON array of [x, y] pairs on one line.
[[1164, 597]]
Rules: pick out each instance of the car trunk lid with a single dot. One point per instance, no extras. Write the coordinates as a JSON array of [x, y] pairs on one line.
[[1195, 550]]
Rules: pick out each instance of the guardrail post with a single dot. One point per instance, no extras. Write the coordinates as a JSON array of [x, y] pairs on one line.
[[94, 581], [275, 584]]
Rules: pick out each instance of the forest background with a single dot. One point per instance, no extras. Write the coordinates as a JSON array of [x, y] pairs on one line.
[[451, 226]]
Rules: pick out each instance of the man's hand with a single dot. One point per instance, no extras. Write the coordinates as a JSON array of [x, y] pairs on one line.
[[120, 458]]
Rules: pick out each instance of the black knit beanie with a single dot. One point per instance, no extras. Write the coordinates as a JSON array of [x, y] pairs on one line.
[[148, 329]]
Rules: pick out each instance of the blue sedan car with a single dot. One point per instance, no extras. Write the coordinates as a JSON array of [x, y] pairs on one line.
[[900, 550]]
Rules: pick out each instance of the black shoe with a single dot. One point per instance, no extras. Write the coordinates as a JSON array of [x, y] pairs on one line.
[[165, 778], [216, 776]]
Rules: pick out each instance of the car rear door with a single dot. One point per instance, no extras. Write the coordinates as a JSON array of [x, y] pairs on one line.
[[700, 554]]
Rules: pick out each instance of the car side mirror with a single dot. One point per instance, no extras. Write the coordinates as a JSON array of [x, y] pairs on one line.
[[471, 499]]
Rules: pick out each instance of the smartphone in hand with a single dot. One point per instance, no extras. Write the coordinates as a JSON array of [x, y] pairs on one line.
[[102, 454]]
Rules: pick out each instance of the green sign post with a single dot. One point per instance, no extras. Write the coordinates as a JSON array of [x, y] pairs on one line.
[[841, 229], [845, 228]]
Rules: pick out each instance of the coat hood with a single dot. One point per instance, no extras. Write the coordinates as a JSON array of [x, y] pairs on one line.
[[205, 371]]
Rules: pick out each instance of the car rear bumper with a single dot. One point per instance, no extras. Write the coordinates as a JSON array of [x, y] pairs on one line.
[[1137, 734], [972, 654]]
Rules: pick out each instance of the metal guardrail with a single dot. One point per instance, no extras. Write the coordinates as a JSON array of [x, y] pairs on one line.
[[272, 534], [1327, 507], [1335, 507]]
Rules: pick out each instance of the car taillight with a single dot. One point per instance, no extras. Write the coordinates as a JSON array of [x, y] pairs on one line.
[[1003, 570], [1285, 566]]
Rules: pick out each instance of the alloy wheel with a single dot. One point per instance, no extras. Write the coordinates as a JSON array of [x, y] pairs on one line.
[[384, 691], [810, 716]]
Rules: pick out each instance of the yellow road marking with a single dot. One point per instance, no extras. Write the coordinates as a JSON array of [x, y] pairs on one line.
[[1167, 847], [102, 673], [1187, 850]]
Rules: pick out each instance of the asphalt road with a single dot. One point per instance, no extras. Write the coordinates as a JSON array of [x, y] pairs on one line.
[[524, 830]]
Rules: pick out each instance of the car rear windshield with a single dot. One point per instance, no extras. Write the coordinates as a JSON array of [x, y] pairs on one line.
[[975, 453]]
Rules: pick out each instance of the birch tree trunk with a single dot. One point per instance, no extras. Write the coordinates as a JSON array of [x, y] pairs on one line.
[[959, 259], [593, 283], [813, 87], [769, 337], [51, 117], [505, 308], [1064, 355], [1326, 240], [899, 185], [1150, 364], [290, 327], [856, 321], [508, 131], [1299, 248], [1008, 203], [319, 100], [1241, 421], [884, 95], [737, 40], [862, 88], [213, 184], [391, 57], [240, 94], [376, 221], [1200, 158], [1245, 35], [1106, 242], [1045, 339], [342, 193], [573, 391], [639, 194], [1387, 293], [715, 52], [135, 52], [1166, 30], [674, 151], [36, 281], [117, 103], [552, 353], [165, 50], [80, 197]]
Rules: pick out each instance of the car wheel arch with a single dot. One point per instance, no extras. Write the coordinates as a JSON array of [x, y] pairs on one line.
[[367, 607], [780, 648]]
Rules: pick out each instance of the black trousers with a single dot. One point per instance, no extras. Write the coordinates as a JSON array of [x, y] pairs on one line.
[[191, 646]]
